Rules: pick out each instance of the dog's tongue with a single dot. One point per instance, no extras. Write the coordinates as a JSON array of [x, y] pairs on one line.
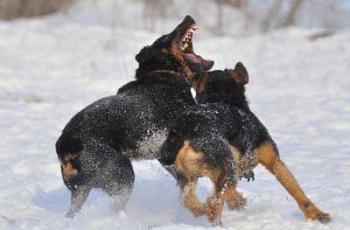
[[198, 60]]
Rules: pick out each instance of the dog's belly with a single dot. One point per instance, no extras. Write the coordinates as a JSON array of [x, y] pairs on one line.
[[148, 148]]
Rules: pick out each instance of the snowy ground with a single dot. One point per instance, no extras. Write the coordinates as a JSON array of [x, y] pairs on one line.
[[51, 68]]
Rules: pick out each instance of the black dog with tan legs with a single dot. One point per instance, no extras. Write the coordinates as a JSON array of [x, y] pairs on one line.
[[223, 140]]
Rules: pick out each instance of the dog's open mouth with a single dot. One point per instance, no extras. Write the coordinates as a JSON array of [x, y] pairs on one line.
[[186, 46]]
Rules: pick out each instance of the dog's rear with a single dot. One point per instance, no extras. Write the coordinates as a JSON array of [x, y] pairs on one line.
[[94, 165], [196, 149]]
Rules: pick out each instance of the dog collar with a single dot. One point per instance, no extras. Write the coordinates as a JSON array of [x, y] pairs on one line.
[[182, 76]]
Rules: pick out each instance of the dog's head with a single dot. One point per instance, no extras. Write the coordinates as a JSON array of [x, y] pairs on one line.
[[173, 52], [227, 85]]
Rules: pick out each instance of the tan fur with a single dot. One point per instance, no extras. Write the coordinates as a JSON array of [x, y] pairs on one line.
[[235, 200], [189, 163], [244, 164], [174, 49], [202, 82], [240, 79], [216, 202], [190, 200], [69, 157], [67, 168], [268, 157]]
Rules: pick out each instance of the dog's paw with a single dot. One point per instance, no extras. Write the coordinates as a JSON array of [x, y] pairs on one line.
[[237, 202], [248, 175], [312, 212], [324, 218], [200, 211], [70, 214]]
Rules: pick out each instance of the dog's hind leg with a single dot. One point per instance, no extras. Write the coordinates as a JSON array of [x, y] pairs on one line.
[[115, 175], [121, 184], [187, 164], [189, 198], [268, 156], [120, 195], [225, 191], [78, 198], [225, 178]]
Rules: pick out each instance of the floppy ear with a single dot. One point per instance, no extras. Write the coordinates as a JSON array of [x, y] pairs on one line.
[[144, 54], [239, 74]]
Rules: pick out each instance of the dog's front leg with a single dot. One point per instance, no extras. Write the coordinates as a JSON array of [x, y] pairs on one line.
[[268, 156]]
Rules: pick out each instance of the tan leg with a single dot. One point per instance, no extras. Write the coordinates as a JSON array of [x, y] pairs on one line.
[[236, 201], [217, 200], [268, 157], [190, 200], [187, 164]]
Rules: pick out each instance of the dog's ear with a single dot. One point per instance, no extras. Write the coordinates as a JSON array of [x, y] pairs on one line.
[[144, 55], [239, 74]]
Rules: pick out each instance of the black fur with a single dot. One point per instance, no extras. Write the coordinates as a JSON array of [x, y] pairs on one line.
[[222, 114], [223, 120], [130, 125]]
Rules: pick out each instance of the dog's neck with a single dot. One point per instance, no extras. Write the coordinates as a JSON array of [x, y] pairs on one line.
[[166, 76], [146, 68], [231, 97]]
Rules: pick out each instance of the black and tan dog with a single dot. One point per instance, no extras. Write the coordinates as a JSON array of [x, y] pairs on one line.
[[222, 139], [96, 146]]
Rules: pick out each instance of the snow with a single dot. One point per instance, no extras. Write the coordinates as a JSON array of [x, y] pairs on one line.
[[51, 68]]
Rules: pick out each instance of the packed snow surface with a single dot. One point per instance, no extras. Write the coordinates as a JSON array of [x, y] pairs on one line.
[[51, 68]]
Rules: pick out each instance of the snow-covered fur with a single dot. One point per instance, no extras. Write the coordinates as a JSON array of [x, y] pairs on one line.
[[225, 140], [96, 146]]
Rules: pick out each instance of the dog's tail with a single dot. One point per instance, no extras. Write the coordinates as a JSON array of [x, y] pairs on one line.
[[67, 150]]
